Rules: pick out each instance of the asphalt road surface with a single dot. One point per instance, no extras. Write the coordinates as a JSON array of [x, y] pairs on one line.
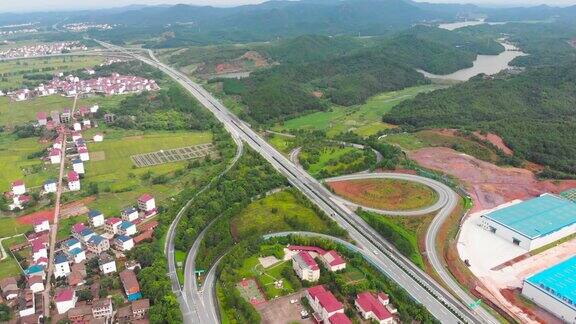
[[442, 304]]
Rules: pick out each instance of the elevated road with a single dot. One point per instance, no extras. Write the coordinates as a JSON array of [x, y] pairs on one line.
[[445, 307]]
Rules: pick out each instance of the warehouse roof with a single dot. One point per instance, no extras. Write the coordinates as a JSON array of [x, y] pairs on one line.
[[559, 281], [536, 217]]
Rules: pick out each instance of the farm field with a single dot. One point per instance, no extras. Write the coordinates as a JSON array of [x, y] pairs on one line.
[[282, 143], [9, 266], [20, 112], [364, 119], [16, 165], [275, 213], [12, 72], [385, 194], [120, 182]]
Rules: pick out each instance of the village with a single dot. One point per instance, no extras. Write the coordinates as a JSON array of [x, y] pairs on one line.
[[94, 281], [316, 303], [41, 49], [84, 26], [71, 86]]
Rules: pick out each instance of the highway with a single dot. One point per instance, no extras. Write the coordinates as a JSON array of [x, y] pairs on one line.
[[445, 307]]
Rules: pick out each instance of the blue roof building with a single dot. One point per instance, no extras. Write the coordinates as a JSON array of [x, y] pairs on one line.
[[125, 224], [96, 239], [555, 289], [71, 242], [76, 251], [60, 258], [94, 213], [34, 269], [535, 222]]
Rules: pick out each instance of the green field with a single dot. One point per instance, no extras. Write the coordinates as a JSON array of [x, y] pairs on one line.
[[119, 182], [266, 277], [363, 119], [9, 227], [328, 159], [275, 213], [65, 225], [9, 266], [15, 164], [406, 141], [282, 143], [13, 71]]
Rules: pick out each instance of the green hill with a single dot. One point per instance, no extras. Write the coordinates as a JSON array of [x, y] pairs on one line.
[[535, 113]]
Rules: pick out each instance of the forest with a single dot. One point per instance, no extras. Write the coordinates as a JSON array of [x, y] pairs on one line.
[[534, 112]]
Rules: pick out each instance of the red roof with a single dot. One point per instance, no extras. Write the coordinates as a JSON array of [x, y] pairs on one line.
[[129, 281], [325, 298], [113, 220], [40, 220], [54, 152], [308, 259], [42, 260], [37, 245], [145, 198], [41, 115], [73, 176], [23, 199], [65, 295], [369, 303], [333, 258], [306, 248], [79, 227], [17, 183], [339, 318], [148, 226], [82, 149]]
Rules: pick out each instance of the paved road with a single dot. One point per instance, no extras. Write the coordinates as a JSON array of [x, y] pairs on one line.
[[417, 283]]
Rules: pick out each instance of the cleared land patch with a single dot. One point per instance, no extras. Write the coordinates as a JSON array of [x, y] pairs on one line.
[[174, 155], [385, 194]]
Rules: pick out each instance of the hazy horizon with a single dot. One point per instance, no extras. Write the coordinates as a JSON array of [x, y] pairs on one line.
[[70, 5]]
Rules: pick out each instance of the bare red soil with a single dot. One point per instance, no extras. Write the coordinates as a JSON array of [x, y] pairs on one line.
[[489, 185], [68, 210], [496, 141], [31, 218], [535, 313]]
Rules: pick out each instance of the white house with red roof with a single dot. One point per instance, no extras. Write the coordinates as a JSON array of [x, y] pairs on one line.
[[65, 300], [305, 266], [323, 303], [42, 118], [83, 153], [147, 204], [373, 307], [57, 144], [76, 136], [41, 224], [39, 250], [73, 181], [18, 187], [339, 318], [112, 225], [333, 261], [55, 155]]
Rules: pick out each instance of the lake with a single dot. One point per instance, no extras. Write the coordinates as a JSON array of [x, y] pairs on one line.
[[461, 24], [487, 64]]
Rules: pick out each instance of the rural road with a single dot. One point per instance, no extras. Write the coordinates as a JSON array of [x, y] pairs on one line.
[[441, 303]]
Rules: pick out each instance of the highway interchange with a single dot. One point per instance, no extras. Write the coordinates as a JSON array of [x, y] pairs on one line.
[[441, 303]]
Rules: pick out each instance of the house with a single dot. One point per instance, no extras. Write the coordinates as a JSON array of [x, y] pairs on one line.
[[65, 300], [106, 263], [102, 308], [78, 166], [55, 116], [77, 230], [305, 266], [109, 118], [129, 214], [83, 154], [41, 224], [77, 126], [76, 279], [127, 228], [35, 270], [339, 318], [112, 224], [42, 118], [333, 261], [373, 307], [57, 144], [314, 251], [131, 286], [50, 185], [9, 287], [73, 181], [42, 261], [147, 204], [36, 284], [39, 249], [77, 255], [26, 303], [98, 244], [72, 244], [18, 187], [323, 303], [98, 137], [96, 218], [65, 116], [140, 308], [76, 136], [61, 265], [94, 109], [86, 123], [123, 243], [80, 314]]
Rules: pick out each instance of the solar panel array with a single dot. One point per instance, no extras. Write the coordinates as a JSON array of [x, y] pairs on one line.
[[174, 155]]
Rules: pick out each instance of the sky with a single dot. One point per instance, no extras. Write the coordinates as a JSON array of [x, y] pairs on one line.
[[52, 5]]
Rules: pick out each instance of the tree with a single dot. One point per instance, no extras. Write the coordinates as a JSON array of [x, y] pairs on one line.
[[5, 313]]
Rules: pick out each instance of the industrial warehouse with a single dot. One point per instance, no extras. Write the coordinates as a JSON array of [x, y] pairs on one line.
[[533, 223], [555, 289]]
